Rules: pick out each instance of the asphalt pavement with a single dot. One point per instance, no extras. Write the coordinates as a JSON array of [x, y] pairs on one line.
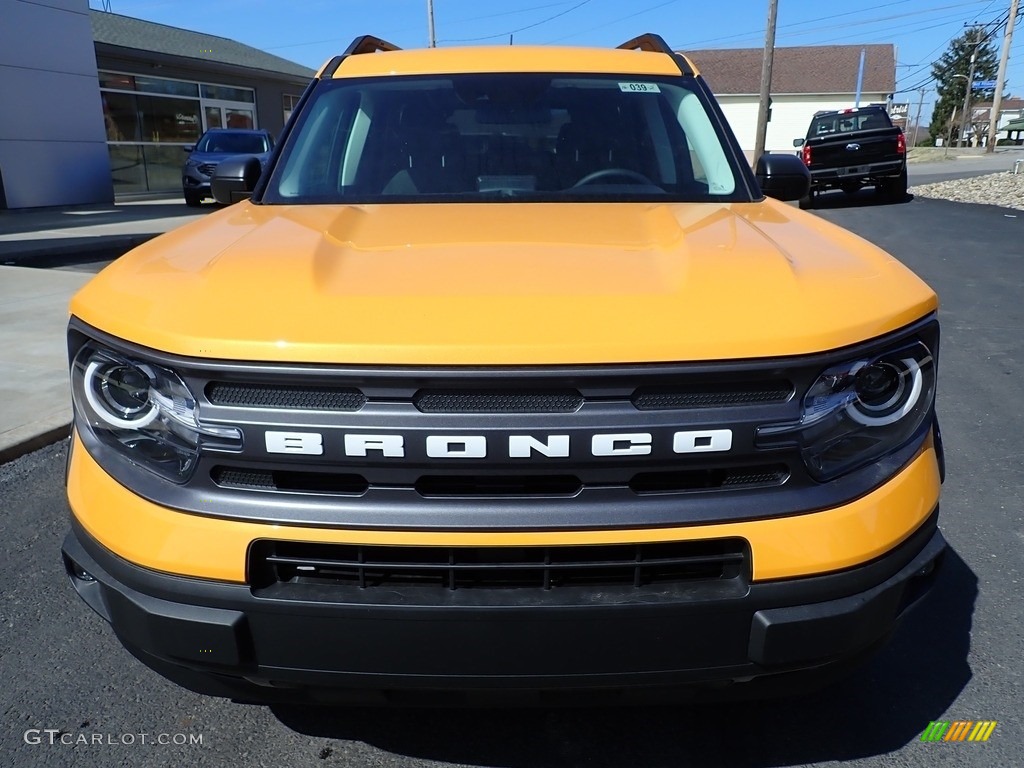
[[72, 696]]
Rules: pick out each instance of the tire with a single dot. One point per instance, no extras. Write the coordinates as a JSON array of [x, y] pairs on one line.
[[895, 190], [898, 190], [192, 200]]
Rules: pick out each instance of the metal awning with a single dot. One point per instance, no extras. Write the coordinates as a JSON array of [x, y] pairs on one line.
[[1014, 125]]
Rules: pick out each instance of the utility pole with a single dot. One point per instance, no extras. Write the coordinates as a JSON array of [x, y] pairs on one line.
[[917, 120], [766, 79], [966, 117], [430, 23], [997, 98]]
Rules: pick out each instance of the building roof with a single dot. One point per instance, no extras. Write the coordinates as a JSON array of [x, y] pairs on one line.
[[126, 32], [982, 111], [802, 69]]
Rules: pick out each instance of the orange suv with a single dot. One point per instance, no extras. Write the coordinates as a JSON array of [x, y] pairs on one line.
[[507, 376]]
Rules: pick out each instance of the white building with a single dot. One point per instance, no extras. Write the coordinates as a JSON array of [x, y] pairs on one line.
[[805, 80]]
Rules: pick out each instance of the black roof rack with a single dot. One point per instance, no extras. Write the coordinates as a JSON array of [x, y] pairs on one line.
[[653, 43], [369, 44], [648, 42], [362, 44]]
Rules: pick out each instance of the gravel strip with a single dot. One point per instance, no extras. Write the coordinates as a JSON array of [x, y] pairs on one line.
[[1003, 189]]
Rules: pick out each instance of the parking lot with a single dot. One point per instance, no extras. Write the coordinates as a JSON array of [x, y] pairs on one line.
[[72, 696]]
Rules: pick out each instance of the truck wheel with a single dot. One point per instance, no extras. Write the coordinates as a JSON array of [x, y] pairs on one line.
[[807, 201], [192, 200], [898, 188]]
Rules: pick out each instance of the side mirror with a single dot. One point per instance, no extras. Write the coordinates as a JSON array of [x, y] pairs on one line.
[[784, 177], [798, 142], [189, 148], [235, 179]]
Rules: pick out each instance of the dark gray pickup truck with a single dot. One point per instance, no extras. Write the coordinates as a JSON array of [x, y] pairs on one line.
[[851, 148]]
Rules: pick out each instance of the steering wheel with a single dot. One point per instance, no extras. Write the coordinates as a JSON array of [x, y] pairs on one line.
[[622, 173]]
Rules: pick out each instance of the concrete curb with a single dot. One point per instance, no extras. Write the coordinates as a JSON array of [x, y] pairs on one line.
[[32, 440]]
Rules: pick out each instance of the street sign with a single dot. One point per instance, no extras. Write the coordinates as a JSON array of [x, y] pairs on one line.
[[984, 85]]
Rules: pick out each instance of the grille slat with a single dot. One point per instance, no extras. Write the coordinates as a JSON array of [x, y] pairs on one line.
[[711, 395], [431, 401], [330, 482], [447, 569], [286, 396]]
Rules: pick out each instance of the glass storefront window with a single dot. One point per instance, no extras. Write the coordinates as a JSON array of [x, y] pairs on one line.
[[213, 118], [227, 93], [146, 133], [120, 82], [239, 118], [161, 85], [128, 168], [163, 167], [121, 116], [290, 102], [169, 119]]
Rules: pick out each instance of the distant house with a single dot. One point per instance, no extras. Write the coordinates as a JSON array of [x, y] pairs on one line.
[[805, 80], [1011, 113]]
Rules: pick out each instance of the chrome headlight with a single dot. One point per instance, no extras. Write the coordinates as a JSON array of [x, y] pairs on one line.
[[143, 411], [859, 411]]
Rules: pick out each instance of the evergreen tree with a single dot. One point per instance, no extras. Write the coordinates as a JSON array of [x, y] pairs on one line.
[[951, 72]]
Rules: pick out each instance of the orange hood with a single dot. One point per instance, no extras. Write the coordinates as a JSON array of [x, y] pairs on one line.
[[503, 283]]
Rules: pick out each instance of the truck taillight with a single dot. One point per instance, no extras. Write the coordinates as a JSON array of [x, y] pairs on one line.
[[807, 155], [901, 144]]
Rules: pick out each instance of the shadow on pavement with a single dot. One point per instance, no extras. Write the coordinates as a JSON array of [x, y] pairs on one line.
[[87, 235], [883, 706], [36, 219], [866, 197]]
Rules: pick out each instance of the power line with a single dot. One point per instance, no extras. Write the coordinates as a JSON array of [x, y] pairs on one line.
[[610, 23], [513, 31], [758, 32]]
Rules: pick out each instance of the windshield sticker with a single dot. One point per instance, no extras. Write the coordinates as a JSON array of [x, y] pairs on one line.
[[639, 88]]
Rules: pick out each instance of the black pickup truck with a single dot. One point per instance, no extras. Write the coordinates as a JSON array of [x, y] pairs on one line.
[[851, 148]]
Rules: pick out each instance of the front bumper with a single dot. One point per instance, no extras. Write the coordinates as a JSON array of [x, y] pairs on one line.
[[221, 639]]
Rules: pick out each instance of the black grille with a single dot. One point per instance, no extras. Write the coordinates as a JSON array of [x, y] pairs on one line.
[[453, 568], [433, 401], [293, 397], [498, 485], [207, 169], [294, 482], [712, 395], [733, 478], [502, 486]]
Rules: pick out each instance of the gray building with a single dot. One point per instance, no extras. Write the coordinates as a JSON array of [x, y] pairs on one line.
[[107, 103], [53, 149]]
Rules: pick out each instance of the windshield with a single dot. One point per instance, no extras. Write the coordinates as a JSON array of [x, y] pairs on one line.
[[485, 137], [233, 143]]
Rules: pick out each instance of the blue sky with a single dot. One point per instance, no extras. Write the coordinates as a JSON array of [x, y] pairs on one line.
[[311, 31]]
